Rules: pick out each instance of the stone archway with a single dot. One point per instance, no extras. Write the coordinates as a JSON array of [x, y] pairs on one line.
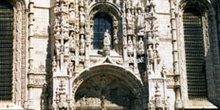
[[107, 87], [104, 91]]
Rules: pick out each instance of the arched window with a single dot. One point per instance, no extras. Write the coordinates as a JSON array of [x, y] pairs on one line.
[[102, 22], [6, 50], [195, 53]]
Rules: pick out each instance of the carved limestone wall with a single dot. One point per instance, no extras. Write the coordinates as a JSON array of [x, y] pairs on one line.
[[142, 61]]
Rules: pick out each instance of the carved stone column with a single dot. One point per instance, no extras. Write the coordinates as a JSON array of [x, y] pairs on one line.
[[67, 45]]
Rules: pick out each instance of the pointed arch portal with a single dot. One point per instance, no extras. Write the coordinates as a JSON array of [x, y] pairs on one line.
[[109, 87]]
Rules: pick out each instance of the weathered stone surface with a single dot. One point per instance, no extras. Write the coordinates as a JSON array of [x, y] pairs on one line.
[[141, 65]]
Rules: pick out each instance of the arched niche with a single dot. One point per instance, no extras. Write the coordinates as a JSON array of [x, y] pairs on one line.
[[114, 13]]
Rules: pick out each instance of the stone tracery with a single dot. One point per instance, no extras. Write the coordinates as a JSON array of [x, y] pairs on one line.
[[136, 57]]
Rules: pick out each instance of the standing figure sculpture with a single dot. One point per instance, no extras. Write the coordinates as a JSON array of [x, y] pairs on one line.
[[107, 43], [140, 47], [129, 19], [82, 17], [140, 20], [130, 47], [58, 47]]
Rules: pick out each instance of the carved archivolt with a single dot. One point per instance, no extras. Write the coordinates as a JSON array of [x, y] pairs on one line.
[[134, 84], [116, 71]]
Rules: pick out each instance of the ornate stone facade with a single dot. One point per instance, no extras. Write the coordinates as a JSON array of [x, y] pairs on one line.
[[109, 54]]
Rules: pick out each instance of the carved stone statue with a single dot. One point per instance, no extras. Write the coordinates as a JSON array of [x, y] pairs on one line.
[[130, 46], [150, 52], [58, 47], [107, 38], [82, 45], [140, 20], [140, 47], [129, 19], [107, 43], [82, 17]]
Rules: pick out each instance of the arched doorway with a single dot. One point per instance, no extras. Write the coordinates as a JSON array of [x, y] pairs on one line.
[[104, 91], [108, 87]]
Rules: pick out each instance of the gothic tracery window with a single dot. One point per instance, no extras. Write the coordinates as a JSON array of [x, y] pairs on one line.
[[6, 50], [194, 53], [102, 22]]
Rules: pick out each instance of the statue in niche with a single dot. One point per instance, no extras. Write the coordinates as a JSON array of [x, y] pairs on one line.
[[107, 38], [82, 17], [72, 16], [107, 43], [82, 45], [150, 52], [129, 19], [140, 20], [130, 46], [140, 46], [58, 47]]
